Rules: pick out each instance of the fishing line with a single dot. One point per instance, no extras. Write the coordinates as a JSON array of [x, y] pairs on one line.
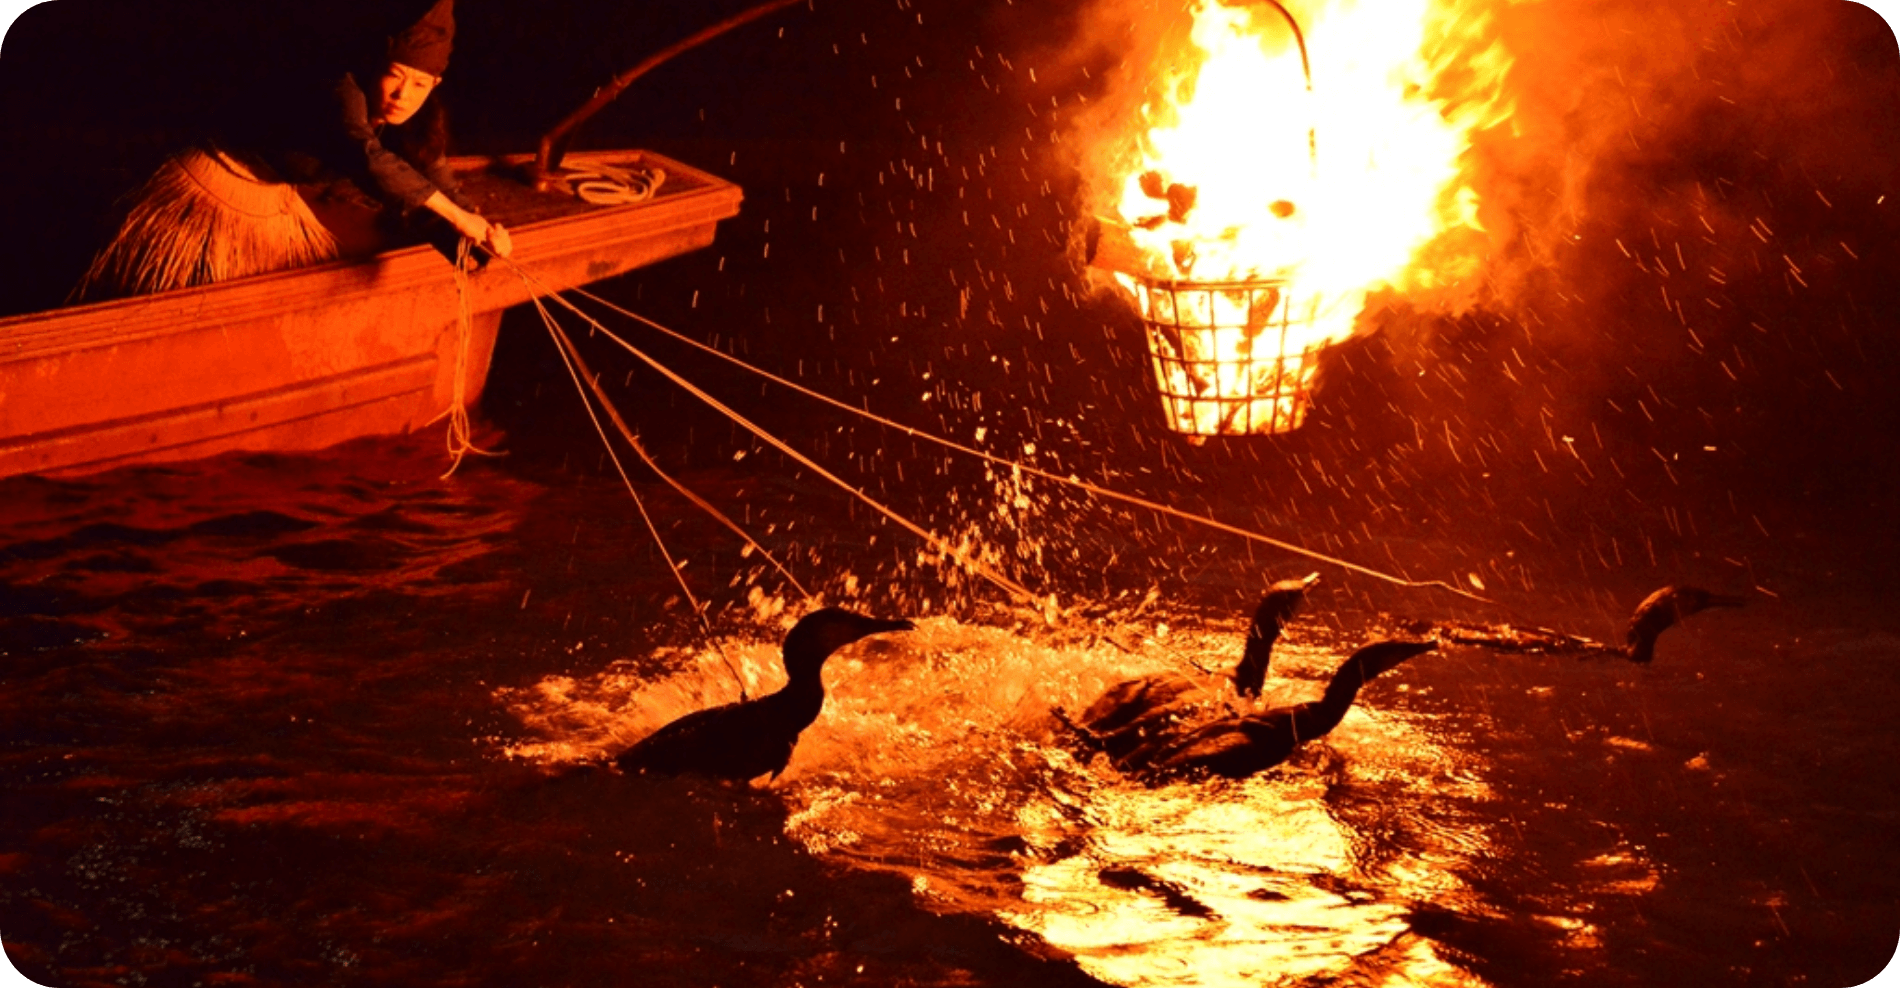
[[1070, 481], [942, 545], [564, 345], [626, 433]]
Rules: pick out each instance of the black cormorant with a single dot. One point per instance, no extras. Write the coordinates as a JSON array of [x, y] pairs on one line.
[[1134, 712], [1242, 745], [1661, 610], [742, 741]]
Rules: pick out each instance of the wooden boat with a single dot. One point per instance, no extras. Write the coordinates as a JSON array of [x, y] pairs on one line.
[[307, 358]]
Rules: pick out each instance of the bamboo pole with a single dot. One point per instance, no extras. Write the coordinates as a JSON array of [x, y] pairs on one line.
[[554, 142]]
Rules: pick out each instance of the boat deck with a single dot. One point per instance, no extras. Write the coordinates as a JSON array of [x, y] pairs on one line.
[[501, 192], [498, 188]]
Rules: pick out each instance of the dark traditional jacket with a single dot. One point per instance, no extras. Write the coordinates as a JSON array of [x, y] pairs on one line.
[[344, 145], [399, 181]]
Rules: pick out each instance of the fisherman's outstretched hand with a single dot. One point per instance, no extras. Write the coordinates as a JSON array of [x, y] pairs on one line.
[[492, 237], [498, 241]]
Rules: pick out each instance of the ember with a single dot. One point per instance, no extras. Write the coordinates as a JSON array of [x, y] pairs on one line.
[[1280, 177]]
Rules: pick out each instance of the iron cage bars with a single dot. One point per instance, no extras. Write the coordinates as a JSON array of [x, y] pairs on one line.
[[1225, 357]]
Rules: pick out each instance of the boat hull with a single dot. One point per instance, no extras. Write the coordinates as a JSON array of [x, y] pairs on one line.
[[304, 359]]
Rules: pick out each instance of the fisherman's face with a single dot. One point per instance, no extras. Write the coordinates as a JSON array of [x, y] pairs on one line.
[[404, 90]]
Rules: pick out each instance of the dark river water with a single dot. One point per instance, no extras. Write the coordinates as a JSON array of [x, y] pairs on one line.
[[331, 719]]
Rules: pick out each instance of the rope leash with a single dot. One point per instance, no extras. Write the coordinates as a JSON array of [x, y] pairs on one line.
[[460, 439], [1070, 481], [942, 545], [569, 358], [626, 433]]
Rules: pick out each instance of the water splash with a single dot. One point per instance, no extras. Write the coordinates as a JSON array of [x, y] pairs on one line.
[[937, 759]]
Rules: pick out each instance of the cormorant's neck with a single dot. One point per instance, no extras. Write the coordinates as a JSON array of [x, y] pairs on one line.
[[1324, 714], [1255, 658], [803, 695]]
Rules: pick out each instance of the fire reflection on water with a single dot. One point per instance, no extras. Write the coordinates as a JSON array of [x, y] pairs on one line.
[[934, 759], [1187, 886]]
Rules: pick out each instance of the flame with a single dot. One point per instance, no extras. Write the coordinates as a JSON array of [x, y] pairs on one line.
[[1245, 173]]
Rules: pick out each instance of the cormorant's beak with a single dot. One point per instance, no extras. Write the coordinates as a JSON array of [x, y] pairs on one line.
[[1726, 600], [876, 626], [1301, 585]]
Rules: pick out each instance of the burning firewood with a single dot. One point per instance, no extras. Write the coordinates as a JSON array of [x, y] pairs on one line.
[[1180, 199], [1110, 246], [1223, 198]]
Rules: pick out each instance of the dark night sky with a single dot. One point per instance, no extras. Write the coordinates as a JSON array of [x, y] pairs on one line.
[[1645, 132]]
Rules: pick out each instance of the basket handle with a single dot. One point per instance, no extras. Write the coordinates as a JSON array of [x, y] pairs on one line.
[[1306, 66]]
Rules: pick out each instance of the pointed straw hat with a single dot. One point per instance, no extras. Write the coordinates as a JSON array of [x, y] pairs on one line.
[[426, 44]]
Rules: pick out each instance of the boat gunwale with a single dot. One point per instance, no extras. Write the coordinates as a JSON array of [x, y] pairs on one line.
[[38, 335]]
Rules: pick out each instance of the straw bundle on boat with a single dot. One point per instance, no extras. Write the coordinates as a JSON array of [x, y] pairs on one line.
[[205, 217]]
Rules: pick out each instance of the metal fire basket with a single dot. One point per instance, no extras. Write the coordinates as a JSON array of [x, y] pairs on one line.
[[1224, 354]]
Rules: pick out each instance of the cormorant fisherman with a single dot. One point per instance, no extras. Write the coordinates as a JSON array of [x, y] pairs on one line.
[[1132, 713], [1661, 610], [1239, 746], [742, 741], [370, 154]]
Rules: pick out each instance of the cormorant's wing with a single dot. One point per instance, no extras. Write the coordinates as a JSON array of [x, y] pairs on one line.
[[1236, 747], [1211, 744], [1124, 702], [683, 745], [1205, 748]]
